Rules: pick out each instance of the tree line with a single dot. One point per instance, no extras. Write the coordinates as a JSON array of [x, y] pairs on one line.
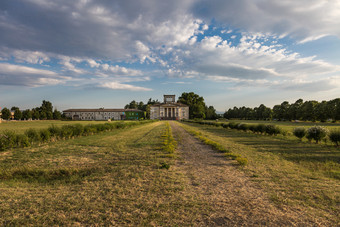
[[299, 110], [44, 112], [197, 106]]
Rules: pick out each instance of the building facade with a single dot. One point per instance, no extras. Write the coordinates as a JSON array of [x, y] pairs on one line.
[[169, 109], [102, 114]]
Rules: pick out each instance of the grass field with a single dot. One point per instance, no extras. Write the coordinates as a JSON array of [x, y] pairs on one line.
[[113, 178], [295, 175], [117, 177], [19, 127], [289, 126]]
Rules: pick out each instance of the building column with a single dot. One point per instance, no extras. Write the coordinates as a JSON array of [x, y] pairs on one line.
[[166, 112]]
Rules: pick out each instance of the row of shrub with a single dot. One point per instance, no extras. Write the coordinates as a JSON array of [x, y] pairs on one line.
[[318, 133], [8, 139], [268, 129], [218, 147], [169, 143]]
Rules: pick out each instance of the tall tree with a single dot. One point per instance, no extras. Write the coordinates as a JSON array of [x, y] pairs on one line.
[[17, 114], [196, 104], [26, 114], [6, 113], [210, 113], [56, 114]]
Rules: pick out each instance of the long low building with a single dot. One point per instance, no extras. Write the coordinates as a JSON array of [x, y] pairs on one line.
[[102, 114]]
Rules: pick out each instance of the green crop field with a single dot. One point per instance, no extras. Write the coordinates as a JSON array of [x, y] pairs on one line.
[[19, 127]]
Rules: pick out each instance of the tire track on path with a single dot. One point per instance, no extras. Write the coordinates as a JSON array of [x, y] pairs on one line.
[[232, 197]]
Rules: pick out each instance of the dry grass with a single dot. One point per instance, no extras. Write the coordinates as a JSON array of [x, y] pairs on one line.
[[107, 179], [296, 176]]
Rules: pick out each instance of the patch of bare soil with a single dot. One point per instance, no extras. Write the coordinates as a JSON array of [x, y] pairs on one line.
[[233, 199]]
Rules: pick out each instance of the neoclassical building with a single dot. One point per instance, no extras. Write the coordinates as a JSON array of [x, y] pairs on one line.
[[169, 109]]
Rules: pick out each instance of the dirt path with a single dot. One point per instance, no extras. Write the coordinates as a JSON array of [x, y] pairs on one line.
[[234, 199]]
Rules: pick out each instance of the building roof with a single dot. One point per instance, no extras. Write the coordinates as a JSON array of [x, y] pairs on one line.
[[170, 104], [102, 110]]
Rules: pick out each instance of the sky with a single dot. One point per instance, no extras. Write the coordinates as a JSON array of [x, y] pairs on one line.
[[92, 54]]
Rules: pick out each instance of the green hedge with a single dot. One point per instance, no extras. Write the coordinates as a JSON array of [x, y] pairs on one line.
[[8, 139]]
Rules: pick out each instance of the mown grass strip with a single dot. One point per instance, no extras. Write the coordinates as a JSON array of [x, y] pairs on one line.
[[169, 143]]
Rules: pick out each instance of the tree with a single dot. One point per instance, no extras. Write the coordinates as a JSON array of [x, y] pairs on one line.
[[46, 106], [132, 105], [35, 114], [27, 114], [14, 108], [56, 115], [6, 113], [17, 114], [49, 115], [309, 110], [210, 113], [195, 102]]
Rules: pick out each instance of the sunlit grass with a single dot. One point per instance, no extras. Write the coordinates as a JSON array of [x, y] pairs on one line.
[[112, 178], [20, 127], [295, 174]]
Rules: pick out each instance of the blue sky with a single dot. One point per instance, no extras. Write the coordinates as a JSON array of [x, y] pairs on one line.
[[90, 54]]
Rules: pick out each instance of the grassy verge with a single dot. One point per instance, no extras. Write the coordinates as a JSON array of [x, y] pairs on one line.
[[112, 178], [295, 175]]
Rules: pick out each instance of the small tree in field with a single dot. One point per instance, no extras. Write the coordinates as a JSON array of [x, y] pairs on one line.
[[299, 132], [334, 136], [317, 133]]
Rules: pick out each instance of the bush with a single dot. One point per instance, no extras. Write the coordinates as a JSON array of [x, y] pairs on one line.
[[299, 132], [252, 128], [260, 128], [33, 135], [45, 135], [225, 125], [89, 130], [243, 127], [7, 140], [22, 141], [317, 133], [272, 130], [54, 131], [77, 130], [233, 125], [334, 136], [66, 131]]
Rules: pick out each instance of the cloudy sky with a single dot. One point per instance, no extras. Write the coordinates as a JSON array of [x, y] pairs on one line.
[[90, 54]]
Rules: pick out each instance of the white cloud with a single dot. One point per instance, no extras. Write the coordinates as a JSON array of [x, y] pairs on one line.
[[251, 61], [120, 86], [17, 75], [304, 20]]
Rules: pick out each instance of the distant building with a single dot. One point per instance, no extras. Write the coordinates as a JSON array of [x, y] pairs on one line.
[[102, 114], [169, 109]]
